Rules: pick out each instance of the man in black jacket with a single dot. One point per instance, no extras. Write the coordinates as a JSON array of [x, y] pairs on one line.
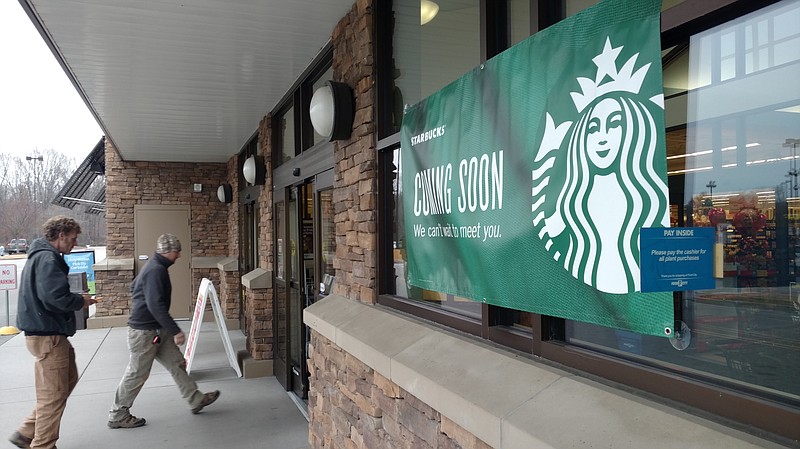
[[46, 313], [153, 334]]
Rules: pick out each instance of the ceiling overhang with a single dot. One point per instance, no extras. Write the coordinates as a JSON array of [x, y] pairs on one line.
[[185, 80]]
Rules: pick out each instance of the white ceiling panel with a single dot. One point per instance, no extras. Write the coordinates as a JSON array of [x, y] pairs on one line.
[[184, 80]]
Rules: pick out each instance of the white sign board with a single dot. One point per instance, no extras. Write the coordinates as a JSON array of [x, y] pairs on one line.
[[207, 289], [8, 277]]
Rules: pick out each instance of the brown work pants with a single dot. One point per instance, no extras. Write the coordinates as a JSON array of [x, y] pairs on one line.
[[56, 376]]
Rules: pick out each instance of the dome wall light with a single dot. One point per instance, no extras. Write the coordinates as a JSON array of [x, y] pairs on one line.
[[225, 193], [427, 11], [331, 111], [254, 170]]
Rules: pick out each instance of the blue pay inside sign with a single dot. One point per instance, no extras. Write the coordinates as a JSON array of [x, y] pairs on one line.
[[674, 259]]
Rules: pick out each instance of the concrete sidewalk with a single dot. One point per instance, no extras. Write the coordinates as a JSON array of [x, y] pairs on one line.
[[250, 413]]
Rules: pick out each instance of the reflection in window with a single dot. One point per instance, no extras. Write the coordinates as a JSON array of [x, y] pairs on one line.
[[328, 75], [746, 46], [286, 132], [280, 246], [576, 6], [519, 17], [327, 240], [292, 248], [282, 350], [732, 162], [428, 57], [402, 289]]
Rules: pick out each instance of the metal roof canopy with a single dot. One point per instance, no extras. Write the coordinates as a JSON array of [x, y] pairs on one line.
[[99, 206], [94, 165], [184, 81]]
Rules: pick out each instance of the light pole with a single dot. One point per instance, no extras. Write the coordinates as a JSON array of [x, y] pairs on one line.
[[792, 143], [35, 178], [711, 185], [33, 159]]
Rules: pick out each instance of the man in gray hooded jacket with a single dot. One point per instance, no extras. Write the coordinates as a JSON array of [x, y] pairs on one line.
[[46, 313]]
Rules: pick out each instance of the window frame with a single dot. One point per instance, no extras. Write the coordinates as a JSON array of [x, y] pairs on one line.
[[548, 336], [298, 97], [307, 155]]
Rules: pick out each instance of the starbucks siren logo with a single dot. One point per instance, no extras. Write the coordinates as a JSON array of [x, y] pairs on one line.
[[594, 190]]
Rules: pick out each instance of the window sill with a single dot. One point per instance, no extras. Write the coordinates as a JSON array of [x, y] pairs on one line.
[[506, 400]]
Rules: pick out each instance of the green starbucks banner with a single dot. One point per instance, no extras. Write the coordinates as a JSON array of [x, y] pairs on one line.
[[525, 182]]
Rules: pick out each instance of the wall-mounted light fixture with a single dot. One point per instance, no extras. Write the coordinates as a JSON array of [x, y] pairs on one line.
[[225, 193], [427, 11], [331, 111], [254, 170]]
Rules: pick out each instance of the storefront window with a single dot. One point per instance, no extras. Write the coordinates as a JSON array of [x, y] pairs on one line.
[[401, 286], [576, 6], [286, 131], [280, 246], [430, 56], [328, 75], [732, 155], [520, 20], [327, 240]]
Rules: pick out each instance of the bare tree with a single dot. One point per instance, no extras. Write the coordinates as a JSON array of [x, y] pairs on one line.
[[18, 220], [5, 185], [28, 186]]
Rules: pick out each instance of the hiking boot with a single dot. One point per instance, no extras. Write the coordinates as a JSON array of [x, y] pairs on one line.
[[208, 399], [20, 440], [128, 422]]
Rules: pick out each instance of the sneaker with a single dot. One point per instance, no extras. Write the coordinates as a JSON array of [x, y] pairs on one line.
[[208, 399], [20, 440], [128, 422]]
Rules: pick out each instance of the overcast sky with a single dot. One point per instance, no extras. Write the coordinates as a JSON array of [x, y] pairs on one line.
[[39, 107]]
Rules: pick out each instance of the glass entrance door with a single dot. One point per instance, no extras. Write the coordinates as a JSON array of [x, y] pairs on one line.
[[294, 283], [301, 240], [304, 252], [326, 235], [281, 290]]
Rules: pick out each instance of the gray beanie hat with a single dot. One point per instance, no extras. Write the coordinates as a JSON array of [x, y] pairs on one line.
[[167, 243]]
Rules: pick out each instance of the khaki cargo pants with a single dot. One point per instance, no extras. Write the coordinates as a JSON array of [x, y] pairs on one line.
[[56, 377], [142, 355]]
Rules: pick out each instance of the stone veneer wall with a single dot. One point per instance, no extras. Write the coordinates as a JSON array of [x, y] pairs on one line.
[[197, 277], [258, 320], [355, 159], [259, 303], [265, 199], [139, 182], [114, 287], [232, 208], [211, 273], [352, 406], [229, 284]]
